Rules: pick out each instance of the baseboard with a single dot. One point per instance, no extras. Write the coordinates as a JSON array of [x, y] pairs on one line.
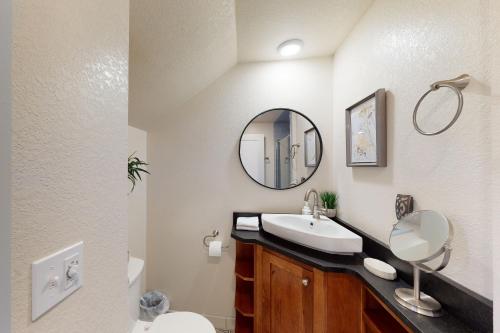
[[224, 323]]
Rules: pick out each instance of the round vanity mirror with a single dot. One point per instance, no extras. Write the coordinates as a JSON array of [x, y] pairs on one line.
[[280, 148], [418, 238]]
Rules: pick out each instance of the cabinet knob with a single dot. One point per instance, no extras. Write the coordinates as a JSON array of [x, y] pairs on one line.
[[305, 282]]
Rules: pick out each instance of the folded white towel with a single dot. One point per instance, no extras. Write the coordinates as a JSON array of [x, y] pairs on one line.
[[247, 223], [247, 228]]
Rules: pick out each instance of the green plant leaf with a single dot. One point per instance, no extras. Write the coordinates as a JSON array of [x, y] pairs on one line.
[[329, 199], [135, 169]]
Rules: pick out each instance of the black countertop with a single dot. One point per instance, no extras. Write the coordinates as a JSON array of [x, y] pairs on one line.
[[384, 289]]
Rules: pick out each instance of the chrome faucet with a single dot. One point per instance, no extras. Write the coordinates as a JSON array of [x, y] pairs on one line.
[[316, 210]]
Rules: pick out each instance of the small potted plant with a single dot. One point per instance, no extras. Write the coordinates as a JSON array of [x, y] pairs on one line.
[[329, 200], [135, 167]]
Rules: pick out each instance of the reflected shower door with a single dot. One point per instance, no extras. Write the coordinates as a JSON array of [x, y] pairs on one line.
[[283, 162]]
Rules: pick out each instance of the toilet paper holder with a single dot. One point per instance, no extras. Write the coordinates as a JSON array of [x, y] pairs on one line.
[[214, 235]]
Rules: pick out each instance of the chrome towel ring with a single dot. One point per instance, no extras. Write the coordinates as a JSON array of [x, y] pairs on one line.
[[457, 84]]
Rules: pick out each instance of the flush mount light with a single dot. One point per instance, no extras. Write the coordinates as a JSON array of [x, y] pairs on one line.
[[290, 47]]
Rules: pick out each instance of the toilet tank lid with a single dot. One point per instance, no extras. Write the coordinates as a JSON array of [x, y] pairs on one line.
[[135, 268]]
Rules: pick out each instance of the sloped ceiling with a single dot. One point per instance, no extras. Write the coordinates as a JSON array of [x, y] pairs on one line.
[[179, 47], [322, 24]]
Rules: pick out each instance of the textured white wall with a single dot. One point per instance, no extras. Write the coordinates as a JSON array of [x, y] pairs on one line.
[[495, 206], [404, 46], [495, 129], [137, 200], [5, 126], [69, 148], [197, 180]]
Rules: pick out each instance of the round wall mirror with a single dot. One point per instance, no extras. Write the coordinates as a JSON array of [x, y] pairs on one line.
[[420, 237], [280, 148]]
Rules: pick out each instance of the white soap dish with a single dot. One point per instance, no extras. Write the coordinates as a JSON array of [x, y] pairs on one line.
[[380, 268]]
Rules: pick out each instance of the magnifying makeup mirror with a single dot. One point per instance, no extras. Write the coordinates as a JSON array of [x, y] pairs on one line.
[[418, 238]]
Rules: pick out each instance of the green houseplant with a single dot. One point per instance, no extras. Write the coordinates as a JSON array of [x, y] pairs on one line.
[[329, 200], [135, 167]]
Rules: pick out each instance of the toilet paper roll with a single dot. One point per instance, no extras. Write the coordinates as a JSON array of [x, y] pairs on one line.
[[215, 249]]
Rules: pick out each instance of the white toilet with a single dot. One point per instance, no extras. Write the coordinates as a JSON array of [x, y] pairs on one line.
[[185, 322]]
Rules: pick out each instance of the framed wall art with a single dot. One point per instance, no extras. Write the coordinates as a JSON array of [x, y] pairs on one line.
[[366, 132], [311, 148]]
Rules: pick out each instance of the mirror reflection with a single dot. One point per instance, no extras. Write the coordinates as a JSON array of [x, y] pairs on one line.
[[280, 148], [420, 236]]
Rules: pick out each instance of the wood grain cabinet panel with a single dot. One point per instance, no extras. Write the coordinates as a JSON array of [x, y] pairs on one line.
[[344, 303], [287, 296]]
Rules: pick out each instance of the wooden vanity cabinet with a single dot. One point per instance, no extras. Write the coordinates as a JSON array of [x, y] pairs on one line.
[[276, 294]]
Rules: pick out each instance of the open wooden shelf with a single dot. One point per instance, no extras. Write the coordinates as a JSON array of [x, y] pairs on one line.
[[243, 313], [243, 324], [377, 318], [380, 321], [244, 271], [244, 296], [244, 267]]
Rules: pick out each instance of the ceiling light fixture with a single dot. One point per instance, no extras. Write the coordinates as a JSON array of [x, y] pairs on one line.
[[290, 47]]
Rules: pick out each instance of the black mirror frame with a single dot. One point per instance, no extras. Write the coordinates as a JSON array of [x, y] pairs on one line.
[[320, 151]]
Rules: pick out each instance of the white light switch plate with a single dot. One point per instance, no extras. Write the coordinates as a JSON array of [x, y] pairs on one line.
[[50, 283]]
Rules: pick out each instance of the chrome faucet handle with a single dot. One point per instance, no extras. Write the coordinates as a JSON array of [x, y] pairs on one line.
[[318, 211]]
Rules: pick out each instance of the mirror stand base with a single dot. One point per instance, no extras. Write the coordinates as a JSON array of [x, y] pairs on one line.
[[425, 304]]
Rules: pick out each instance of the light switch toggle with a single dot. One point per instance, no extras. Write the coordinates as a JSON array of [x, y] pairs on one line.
[[71, 270], [53, 282]]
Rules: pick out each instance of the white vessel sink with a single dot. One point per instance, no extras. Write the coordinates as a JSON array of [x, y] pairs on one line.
[[320, 234]]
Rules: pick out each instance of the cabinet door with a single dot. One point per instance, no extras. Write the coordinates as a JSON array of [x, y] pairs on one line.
[[287, 296]]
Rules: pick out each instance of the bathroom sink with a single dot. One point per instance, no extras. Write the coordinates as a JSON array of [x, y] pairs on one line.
[[320, 234]]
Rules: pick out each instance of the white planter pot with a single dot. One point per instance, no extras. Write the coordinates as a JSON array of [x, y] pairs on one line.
[[331, 212]]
